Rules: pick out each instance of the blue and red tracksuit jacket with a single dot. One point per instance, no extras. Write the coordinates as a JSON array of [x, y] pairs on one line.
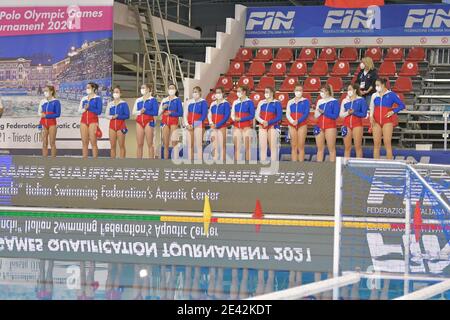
[[299, 111], [220, 113], [196, 112], [271, 112], [245, 110]]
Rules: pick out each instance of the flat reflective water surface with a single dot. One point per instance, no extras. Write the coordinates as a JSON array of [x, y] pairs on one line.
[[31, 279]]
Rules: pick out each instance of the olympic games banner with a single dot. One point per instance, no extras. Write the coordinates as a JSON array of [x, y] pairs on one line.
[[61, 43], [398, 25]]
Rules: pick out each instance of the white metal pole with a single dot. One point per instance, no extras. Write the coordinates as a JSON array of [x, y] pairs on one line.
[[407, 229], [337, 223]]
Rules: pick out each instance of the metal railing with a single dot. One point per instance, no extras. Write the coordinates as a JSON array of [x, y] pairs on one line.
[[440, 57], [183, 68], [179, 11]]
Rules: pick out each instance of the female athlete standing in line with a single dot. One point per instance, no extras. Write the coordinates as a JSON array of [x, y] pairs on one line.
[[171, 109], [297, 113], [353, 110], [49, 111], [118, 111], [383, 117], [327, 111], [145, 109], [90, 108]]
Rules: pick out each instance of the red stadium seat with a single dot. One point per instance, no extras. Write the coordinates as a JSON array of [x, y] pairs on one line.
[[231, 97], [265, 82], [307, 54], [263, 54], [312, 84], [236, 69], [409, 69], [320, 68], [375, 53], [247, 81], [244, 54], [256, 97], [210, 97], [388, 83], [298, 69], [307, 96], [289, 84], [277, 69], [340, 68], [416, 54], [284, 55], [336, 83], [403, 84], [349, 54], [387, 69], [394, 54], [328, 54], [257, 68], [283, 97], [225, 82]]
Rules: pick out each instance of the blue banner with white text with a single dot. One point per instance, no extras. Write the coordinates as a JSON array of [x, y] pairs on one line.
[[321, 25]]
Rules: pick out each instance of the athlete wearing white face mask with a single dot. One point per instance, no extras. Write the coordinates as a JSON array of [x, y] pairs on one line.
[[145, 110], [49, 110], [326, 113], [242, 114], [353, 109], [297, 112], [218, 118], [195, 112], [268, 115], [118, 112], [384, 107], [90, 108], [170, 110]]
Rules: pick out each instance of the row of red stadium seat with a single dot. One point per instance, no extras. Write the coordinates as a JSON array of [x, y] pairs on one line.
[[319, 68], [311, 84], [329, 54]]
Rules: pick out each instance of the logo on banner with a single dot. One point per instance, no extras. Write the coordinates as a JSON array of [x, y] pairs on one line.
[[428, 18], [426, 257], [270, 20], [369, 19]]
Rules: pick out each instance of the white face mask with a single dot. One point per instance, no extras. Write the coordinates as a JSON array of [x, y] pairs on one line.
[[143, 92], [267, 95], [239, 94], [196, 95], [172, 92], [88, 91], [219, 96], [116, 96], [362, 65], [378, 88], [322, 94], [46, 94], [298, 94], [350, 94]]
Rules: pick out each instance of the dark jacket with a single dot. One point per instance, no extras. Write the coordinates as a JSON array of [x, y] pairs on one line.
[[367, 81]]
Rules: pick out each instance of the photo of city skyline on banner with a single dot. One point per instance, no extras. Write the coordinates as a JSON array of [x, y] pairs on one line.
[[66, 60]]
